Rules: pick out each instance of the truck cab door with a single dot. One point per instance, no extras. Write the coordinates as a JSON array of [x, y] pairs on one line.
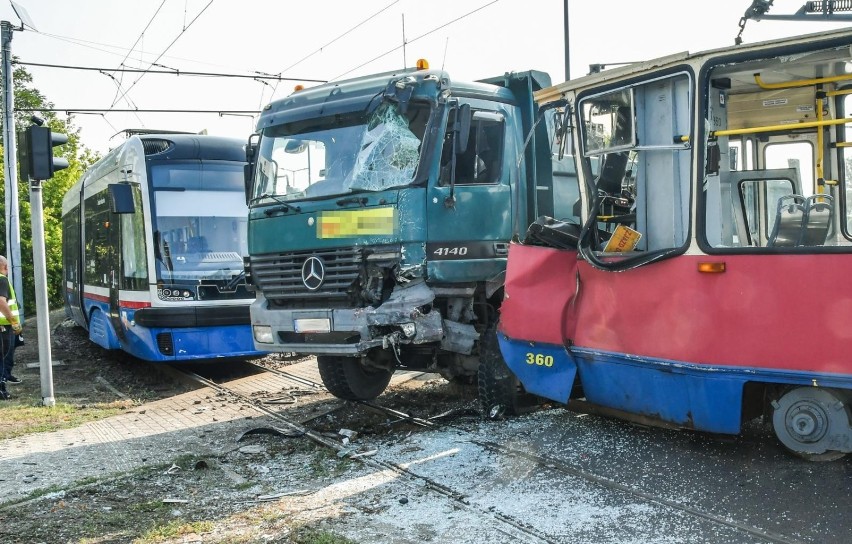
[[469, 209]]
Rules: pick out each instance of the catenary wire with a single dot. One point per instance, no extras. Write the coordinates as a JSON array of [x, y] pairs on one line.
[[133, 47], [174, 72], [90, 45], [275, 87], [437, 28], [182, 32]]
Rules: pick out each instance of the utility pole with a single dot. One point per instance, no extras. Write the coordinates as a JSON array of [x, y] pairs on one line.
[[42, 310], [567, 47], [13, 229], [40, 166], [40, 142]]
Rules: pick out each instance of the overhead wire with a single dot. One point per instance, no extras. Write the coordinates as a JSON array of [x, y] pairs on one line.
[[437, 28], [90, 45], [171, 72], [133, 47], [347, 32], [167, 48]]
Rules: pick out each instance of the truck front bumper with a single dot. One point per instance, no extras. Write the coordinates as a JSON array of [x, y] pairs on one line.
[[406, 317]]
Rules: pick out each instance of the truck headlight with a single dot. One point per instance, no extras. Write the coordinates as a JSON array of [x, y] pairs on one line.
[[262, 334]]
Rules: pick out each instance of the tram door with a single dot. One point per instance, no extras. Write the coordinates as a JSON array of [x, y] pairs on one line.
[[101, 243], [72, 270]]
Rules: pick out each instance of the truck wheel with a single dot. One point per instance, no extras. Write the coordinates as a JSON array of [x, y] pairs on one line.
[[809, 420], [500, 391], [346, 378]]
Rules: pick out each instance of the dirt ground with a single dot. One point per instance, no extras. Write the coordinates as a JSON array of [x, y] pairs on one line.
[[230, 492]]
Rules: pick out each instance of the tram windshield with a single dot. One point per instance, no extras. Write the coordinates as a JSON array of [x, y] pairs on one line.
[[200, 221]]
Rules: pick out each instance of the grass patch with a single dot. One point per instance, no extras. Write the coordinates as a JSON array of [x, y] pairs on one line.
[[174, 529], [307, 535], [20, 419]]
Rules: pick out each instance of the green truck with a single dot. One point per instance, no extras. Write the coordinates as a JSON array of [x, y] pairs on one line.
[[380, 213]]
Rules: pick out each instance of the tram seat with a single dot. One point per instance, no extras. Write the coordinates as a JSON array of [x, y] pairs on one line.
[[789, 221], [819, 215], [733, 184], [801, 221]]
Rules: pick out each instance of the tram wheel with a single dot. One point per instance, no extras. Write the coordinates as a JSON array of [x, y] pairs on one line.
[[500, 391], [347, 378], [811, 422]]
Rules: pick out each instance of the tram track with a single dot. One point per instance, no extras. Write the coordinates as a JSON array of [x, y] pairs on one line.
[[513, 527], [504, 524]]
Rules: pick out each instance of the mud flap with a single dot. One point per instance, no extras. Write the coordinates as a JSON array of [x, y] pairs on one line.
[[545, 370]]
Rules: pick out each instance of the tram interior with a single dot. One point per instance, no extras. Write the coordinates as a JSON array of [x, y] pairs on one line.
[[777, 162]]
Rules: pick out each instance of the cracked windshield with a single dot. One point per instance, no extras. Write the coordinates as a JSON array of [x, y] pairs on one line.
[[341, 154], [200, 223]]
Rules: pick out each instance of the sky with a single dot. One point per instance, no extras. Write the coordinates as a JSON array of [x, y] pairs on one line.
[[331, 40]]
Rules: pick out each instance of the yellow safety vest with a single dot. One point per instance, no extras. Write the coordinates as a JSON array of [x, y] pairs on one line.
[[12, 302]]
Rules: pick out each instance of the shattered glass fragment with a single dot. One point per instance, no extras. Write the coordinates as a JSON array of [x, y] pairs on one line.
[[389, 152]]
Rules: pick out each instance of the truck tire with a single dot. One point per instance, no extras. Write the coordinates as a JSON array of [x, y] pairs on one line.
[[500, 391], [346, 378]]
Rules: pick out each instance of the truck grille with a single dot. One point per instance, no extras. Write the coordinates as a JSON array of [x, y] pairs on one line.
[[279, 276]]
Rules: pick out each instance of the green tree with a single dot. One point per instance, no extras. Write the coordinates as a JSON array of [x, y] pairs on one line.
[[79, 158]]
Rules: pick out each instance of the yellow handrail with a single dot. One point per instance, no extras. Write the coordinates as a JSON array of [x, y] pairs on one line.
[[801, 82], [787, 126]]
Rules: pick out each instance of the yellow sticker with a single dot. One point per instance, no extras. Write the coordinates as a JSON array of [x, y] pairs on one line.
[[349, 223], [623, 239]]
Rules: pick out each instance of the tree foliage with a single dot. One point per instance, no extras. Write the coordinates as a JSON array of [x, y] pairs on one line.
[[79, 158]]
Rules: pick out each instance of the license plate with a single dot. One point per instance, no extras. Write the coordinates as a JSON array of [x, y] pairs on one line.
[[312, 325]]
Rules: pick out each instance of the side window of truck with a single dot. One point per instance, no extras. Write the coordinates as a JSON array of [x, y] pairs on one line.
[[482, 160]]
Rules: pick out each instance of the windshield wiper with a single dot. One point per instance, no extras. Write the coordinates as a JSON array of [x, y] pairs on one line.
[[283, 205]]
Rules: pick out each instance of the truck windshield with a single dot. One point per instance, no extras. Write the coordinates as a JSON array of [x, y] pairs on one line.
[[200, 222], [341, 154]]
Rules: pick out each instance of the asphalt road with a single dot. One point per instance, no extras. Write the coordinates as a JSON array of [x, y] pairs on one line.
[[569, 477]]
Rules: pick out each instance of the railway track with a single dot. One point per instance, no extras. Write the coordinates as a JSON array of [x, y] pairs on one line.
[[509, 527], [505, 523]]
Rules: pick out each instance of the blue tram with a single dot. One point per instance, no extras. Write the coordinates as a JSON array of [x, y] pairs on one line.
[[153, 241]]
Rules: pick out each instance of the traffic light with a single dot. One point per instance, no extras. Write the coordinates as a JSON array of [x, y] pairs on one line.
[[40, 141]]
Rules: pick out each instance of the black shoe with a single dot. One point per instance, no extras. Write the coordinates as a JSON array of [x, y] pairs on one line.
[[13, 380], [3, 394]]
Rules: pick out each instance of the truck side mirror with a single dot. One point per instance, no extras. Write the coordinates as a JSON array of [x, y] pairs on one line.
[[462, 127], [251, 158], [121, 198]]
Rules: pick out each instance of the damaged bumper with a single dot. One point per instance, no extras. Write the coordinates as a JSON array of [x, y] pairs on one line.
[[353, 331]]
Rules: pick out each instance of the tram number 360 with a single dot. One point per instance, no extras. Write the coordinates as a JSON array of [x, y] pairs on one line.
[[539, 359]]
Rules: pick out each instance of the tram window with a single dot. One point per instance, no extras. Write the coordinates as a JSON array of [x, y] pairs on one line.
[[566, 185], [631, 138], [71, 244], [134, 260], [98, 249], [847, 168], [759, 200], [798, 155]]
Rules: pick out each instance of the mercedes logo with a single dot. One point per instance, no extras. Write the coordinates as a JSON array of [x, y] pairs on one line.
[[313, 273]]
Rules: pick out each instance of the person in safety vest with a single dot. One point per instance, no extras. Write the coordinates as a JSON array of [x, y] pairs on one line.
[[10, 328]]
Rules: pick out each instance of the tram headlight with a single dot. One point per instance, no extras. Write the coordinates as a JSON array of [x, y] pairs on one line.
[[262, 334]]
